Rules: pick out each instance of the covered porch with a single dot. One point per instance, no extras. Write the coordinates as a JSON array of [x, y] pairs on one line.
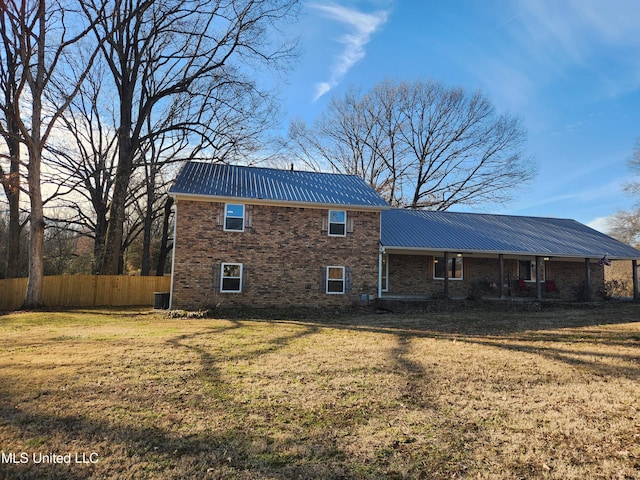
[[421, 275], [433, 255]]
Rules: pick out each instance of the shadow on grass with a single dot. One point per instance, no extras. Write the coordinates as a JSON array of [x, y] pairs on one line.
[[593, 361], [128, 451], [131, 451], [482, 320], [147, 451], [528, 332], [209, 361]]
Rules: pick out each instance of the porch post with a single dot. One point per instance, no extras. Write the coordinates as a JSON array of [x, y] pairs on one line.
[[446, 275], [538, 281], [501, 275], [587, 279], [634, 265]]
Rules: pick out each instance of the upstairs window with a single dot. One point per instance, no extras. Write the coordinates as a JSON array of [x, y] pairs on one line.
[[337, 223], [234, 217], [453, 268]]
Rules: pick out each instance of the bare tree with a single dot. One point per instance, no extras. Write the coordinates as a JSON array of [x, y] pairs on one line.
[[633, 187], [421, 144], [160, 50], [356, 135], [65, 250], [81, 163], [10, 109], [625, 226], [41, 35]]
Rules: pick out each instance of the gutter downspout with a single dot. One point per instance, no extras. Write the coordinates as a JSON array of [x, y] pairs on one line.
[[173, 250], [380, 253]]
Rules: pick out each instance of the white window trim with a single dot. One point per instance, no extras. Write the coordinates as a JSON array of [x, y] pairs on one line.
[[344, 281], [222, 277], [337, 223], [244, 210], [385, 272], [455, 258]]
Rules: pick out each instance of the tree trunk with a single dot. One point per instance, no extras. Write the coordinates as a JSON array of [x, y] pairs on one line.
[[115, 231], [113, 244], [148, 222], [100, 237], [164, 247], [33, 298], [145, 269], [11, 184]]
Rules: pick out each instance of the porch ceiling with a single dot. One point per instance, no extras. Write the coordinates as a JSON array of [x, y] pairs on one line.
[[491, 255]]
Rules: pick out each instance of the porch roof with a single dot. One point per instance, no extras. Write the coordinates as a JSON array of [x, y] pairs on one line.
[[269, 185], [495, 234]]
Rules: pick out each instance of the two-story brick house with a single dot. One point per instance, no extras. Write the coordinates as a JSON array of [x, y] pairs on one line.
[[267, 237]]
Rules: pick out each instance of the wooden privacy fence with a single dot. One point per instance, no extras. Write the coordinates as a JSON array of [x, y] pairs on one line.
[[86, 291]]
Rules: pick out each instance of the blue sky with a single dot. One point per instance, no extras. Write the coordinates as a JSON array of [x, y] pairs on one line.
[[569, 68]]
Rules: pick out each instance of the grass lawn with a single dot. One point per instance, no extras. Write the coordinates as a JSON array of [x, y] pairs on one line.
[[473, 394]]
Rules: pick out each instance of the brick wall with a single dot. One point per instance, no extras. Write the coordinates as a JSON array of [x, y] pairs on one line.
[[570, 278], [620, 278], [413, 275], [284, 255]]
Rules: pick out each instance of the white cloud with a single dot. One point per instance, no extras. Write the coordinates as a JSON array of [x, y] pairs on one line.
[[362, 26], [321, 89], [601, 224]]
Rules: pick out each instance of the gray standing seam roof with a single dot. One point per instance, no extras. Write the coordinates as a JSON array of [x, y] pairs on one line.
[[268, 184], [473, 232]]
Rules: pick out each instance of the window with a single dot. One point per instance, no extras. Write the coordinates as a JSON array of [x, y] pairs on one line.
[[527, 270], [234, 217], [335, 280], [337, 223], [231, 277], [454, 268]]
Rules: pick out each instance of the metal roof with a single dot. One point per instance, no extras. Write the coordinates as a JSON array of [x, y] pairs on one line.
[[199, 179], [473, 232]]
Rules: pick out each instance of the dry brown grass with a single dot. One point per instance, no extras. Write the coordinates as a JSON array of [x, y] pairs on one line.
[[474, 394]]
